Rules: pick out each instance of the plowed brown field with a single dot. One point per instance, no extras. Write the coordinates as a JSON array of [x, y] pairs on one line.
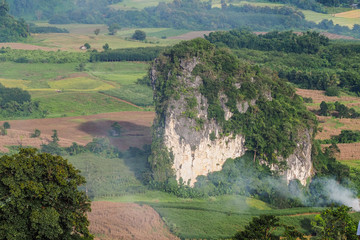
[[113, 221], [82, 129]]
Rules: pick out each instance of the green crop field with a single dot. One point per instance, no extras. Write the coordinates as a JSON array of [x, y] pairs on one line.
[[64, 91], [110, 176], [137, 4], [81, 103]]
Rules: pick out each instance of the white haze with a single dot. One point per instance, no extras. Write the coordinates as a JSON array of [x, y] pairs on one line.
[[341, 195]]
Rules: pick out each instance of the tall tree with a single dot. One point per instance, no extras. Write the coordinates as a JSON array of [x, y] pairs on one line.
[[39, 198]]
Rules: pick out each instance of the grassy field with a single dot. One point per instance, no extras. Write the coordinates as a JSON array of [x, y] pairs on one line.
[[109, 177], [84, 33], [137, 4], [64, 91], [318, 17]]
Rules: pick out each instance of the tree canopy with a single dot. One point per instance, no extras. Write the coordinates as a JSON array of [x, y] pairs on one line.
[[39, 198]]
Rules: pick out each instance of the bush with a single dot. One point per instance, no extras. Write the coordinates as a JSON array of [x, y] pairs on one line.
[[332, 91], [6, 125], [139, 35]]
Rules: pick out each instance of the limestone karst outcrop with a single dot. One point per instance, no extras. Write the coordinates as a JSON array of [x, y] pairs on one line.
[[210, 108]]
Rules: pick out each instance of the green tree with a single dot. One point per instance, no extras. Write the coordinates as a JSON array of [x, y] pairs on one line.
[[106, 47], [139, 35], [113, 28], [97, 31], [4, 8], [39, 198], [335, 223], [324, 109], [6, 125], [260, 228], [87, 45], [54, 137], [263, 228], [36, 133]]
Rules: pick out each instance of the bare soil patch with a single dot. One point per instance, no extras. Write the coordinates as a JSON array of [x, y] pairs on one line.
[[82, 129], [110, 221]]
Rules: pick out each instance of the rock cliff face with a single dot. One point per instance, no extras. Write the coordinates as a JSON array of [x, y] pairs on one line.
[[197, 142]]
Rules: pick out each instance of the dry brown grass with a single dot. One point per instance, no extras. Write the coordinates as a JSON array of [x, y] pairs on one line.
[[110, 221], [82, 129], [318, 96], [349, 14], [25, 46]]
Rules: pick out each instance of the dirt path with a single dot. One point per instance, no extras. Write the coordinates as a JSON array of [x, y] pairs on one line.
[[110, 221]]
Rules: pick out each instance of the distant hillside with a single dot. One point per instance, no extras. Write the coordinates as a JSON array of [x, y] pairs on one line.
[[10, 28], [45, 9]]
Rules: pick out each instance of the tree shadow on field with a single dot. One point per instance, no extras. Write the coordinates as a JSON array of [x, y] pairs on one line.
[[131, 135], [134, 143]]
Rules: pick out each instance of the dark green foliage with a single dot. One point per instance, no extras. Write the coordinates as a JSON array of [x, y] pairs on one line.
[[15, 102], [39, 56], [260, 228], [325, 164], [97, 31], [332, 91], [307, 4], [130, 54], [6, 125], [87, 45], [113, 28], [37, 29], [139, 35], [308, 42], [106, 47], [337, 110], [335, 223], [40, 198], [346, 136], [264, 228], [10, 29], [336, 3], [36, 133]]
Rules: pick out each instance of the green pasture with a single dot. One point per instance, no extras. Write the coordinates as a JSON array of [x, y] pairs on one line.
[[318, 17], [138, 94], [36, 73], [79, 83], [121, 73], [80, 103], [352, 163], [64, 91], [108, 177], [137, 4]]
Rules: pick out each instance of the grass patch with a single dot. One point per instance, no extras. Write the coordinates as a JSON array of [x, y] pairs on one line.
[[136, 4], [318, 17], [334, 122], [71, 104], [12, 83], [137, 94], [109, 177], [352, 163], [122, 73], [79, 83], [36, 73]]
